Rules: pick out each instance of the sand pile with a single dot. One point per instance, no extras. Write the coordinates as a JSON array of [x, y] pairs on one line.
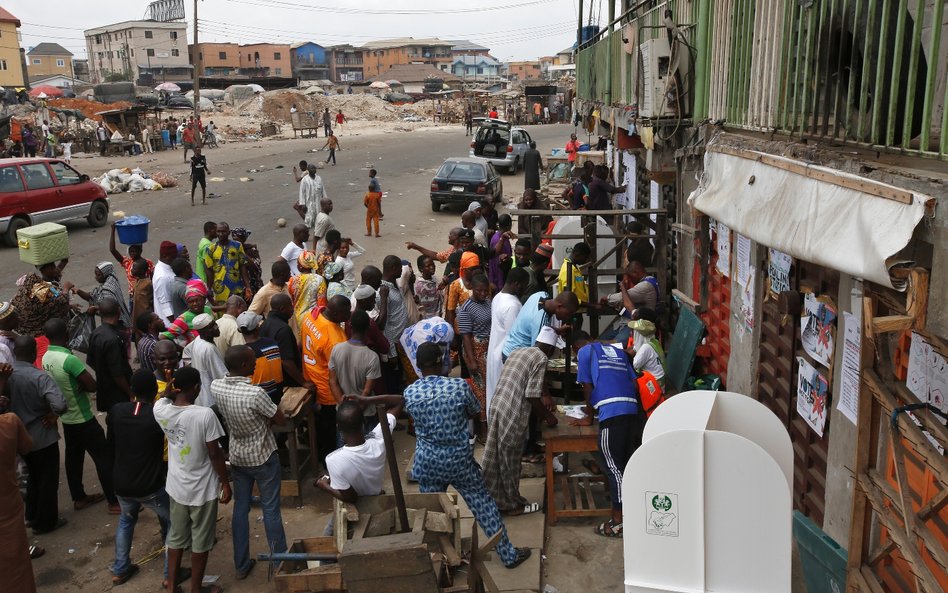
[[88, 108], [275, 106]]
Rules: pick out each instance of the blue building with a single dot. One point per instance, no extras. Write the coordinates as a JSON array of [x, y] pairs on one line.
[[309, 61], [475, 67]]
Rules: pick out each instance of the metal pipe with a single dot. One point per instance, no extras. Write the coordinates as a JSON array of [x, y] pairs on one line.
[[805, 104], [930, 80], [702, 74], [579, 30], [607, 99], [851, 88], [393, 468], [895, 81], [864, 83], [876, 133], [913, 70], [197, 75]]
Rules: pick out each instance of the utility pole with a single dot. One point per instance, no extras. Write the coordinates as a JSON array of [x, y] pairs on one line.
[[579, 27], [197, 74]]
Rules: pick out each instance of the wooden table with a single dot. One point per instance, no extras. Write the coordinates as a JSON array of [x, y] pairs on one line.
[[297, 405], [564, 438]]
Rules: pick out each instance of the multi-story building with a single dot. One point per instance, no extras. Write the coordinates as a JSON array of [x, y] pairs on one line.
[[11, 62], [473, 67], [346, 63], [49, 59], [309, 61], [379, 56], [791, 159], [141, 51], [463, 47], [523, 70], [266, 59], [215, 59]]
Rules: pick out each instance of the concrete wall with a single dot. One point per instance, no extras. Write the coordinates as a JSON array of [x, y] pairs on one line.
[[745, 342], [48, 65], [10, 53]]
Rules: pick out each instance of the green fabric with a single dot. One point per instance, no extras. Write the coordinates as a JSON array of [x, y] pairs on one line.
[[64, 367], [199, 268]]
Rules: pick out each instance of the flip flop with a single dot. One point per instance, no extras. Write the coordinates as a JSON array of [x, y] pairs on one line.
[[522, 555], [614, 529], [532, 507], [184, 574], [36, 551]]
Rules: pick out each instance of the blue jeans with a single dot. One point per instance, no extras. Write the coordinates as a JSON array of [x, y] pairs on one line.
[[159, 504], [267, 477]]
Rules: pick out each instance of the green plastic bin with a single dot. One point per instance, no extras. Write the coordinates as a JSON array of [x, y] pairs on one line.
[[824, 560]]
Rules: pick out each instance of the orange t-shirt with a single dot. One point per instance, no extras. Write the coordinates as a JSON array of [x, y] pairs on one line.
[[319, 336], [373, 202]]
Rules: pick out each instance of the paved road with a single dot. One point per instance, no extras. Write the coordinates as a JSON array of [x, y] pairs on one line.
[[406, 161]]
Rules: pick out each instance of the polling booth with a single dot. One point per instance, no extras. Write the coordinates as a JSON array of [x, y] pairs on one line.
[[706, 499]]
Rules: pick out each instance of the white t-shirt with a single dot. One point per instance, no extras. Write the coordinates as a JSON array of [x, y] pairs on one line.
[[191, 477], [362, 468], [291, 254], [479, 237], [206, 358], [646, 359]]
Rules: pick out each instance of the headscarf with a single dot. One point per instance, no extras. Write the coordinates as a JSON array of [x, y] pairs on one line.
[[469, 259], [331, 269], [307, 260], [473, 206], [337, 288], [6, 308], [433, 329], [239, 232], [111, 289], [195, 288]]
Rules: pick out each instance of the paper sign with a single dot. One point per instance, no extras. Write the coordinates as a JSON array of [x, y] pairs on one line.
[[816, 329], [778, 270], [661, 513], [849, 373], [747, 301], [724, 250], [812, 391], [743, 259], [927, 373]]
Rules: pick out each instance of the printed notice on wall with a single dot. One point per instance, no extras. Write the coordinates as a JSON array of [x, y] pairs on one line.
[[849, 373], [778, 269], [723, 245], [747, 302], [661, 513], [812, 391], [743, 259], [817, 328], [927, 373]]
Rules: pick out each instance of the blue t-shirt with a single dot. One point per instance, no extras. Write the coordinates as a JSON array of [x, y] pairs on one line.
[[615, 390], [526, 328]]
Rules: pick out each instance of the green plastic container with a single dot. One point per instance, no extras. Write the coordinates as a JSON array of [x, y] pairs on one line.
[[705, 383], [43, 243], [824, 560]]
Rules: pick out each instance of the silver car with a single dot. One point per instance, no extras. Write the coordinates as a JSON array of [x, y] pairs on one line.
[[500, 143]]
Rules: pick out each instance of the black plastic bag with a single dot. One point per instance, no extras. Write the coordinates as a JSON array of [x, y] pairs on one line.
[[80, 328]]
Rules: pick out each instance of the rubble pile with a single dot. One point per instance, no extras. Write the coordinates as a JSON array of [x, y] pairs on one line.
[[86, 107], [427, 107], [275, 106], [132, 180]]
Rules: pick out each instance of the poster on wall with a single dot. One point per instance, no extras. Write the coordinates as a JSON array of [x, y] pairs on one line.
[[817, 326], [849, 373], [747, 301], [812, 391], [928, 372], [778, 270], [723, 246], [743, 246]]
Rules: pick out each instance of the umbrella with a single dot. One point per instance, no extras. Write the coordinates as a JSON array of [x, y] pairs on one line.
[[168, 86], [393, 82], [378, 84], [46, 90], [257, 88]]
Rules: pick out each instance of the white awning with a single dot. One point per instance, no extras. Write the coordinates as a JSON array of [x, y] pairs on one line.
[[816, 214]]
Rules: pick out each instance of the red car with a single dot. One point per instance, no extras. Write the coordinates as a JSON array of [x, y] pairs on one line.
[[47, 190]]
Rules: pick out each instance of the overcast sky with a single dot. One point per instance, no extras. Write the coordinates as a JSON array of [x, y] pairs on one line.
[[512, 29]]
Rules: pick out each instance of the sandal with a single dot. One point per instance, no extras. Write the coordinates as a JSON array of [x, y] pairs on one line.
[[122, 579], [609, 529], [532, 507], [36, 551], [522, 555]]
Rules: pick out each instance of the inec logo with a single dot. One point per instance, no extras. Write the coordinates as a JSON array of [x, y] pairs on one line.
[[661, 502]]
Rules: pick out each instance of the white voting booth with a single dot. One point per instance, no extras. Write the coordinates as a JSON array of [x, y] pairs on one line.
[[706, 499], [573, 225]]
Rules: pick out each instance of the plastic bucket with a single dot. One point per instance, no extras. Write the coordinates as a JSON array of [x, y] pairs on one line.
[[166, 138], [132, 230]]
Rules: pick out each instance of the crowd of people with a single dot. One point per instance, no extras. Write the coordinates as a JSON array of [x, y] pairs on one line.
[[190, 355]]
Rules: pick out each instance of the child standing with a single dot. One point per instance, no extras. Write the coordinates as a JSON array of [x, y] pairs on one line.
[[373, 210], [376, 187], [427, 292]]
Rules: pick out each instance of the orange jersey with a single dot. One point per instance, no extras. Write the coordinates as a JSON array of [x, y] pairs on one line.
[[318, 336]]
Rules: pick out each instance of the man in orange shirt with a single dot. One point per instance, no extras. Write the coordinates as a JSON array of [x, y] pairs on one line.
[[321, 329], [572, 147], [373, 210]]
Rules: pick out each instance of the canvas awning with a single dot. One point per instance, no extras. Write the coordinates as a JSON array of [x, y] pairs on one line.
[[817, 214]]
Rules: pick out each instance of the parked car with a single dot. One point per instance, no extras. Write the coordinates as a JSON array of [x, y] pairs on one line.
[[47, 190], [465, 180], [500, 143]]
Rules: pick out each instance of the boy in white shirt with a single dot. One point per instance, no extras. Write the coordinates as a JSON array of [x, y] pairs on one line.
[[197, 476]]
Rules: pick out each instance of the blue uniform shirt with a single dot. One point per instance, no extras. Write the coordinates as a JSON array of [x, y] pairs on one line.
[[607, 368]]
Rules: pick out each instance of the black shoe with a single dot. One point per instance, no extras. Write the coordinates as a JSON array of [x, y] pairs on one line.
[[60, 523], [522, 555]]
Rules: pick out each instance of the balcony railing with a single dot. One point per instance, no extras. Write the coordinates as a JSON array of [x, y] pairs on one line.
[[863, 72], [349, 61]]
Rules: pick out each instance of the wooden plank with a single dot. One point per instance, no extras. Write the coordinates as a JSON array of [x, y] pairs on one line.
[[860, 184], [449, 551], [352, 511], [293, 400], [379, 524], [916, 300], [684, 229], [892, 323], [686, 300], [361, 527], [438, 522], [590, 499], [396, 563]]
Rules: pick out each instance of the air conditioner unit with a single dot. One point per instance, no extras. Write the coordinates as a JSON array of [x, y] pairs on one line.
[[656, 72]]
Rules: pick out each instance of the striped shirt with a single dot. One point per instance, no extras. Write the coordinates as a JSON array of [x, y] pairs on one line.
[[268, 374], [247, 410], [474, 318]]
